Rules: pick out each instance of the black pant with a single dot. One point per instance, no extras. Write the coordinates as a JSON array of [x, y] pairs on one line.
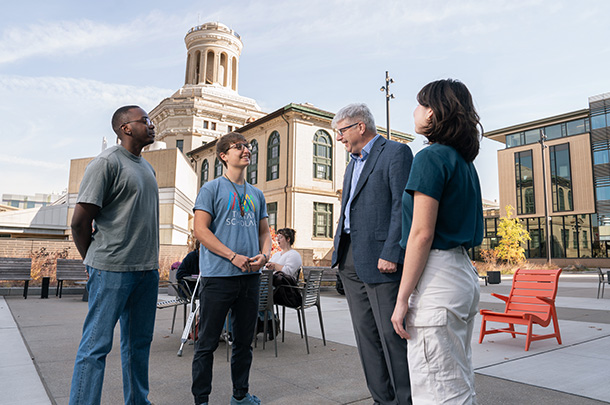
[[218, 295]]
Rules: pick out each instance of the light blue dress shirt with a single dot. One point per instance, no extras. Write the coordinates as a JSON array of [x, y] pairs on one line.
[[358, 166]]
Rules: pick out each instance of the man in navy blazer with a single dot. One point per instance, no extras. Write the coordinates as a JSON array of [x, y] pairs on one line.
[[367, 249]]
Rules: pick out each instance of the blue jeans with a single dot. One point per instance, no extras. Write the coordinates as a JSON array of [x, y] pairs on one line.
[[132, 298], [217, 296]]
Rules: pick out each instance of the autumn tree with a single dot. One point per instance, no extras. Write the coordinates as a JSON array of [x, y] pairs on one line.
[[512, 235]]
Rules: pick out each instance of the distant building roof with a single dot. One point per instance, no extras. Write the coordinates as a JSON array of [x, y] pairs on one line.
[[305, 108]]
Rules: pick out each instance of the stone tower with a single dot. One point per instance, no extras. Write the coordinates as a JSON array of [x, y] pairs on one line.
[[208, 105], [213, 55]]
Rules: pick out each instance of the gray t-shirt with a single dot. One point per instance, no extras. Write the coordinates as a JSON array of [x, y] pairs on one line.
[[240, 234], [126, 229]]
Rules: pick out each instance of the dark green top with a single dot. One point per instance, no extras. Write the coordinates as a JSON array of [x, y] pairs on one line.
[[440, 172]]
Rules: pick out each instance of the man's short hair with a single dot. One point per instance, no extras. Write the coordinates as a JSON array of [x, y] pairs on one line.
[[356, 112], [120, 117], [225, 142]]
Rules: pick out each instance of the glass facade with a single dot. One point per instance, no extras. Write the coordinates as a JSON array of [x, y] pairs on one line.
[[570, 128], [524, 175], [561, 178], [600, 143], [571, 237]]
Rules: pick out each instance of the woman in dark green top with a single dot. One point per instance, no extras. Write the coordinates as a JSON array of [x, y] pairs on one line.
[[442, 217]]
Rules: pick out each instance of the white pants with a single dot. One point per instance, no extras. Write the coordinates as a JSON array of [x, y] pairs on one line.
[[440, 321]]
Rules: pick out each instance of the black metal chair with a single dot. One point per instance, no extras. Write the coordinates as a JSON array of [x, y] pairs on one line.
[[602, 281], [311, 297], [265, 305], [183, 297]]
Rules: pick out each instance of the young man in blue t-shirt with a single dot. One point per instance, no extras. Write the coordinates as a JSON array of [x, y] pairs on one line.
[[231, 224]]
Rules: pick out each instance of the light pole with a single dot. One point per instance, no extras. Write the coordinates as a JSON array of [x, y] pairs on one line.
[[388, 96], [547, 218]]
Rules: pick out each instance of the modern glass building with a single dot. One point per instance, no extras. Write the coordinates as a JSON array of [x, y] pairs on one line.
[[558, 168]]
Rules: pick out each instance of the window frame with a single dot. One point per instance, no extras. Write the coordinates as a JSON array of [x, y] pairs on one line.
[[204, 173], [218, 164], [323, 211], [252, 171], [559, 205], [272, 214], [273, 163], [524, 207], [325, 162]]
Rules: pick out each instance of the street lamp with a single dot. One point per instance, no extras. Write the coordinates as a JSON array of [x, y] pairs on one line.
[[388, 96], [547, 222]]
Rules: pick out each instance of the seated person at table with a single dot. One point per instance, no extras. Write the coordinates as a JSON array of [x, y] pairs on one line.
[[286, 264], [189, 267], [287, 260]]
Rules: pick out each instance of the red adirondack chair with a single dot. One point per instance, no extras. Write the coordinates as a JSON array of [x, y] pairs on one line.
[[531, 301]]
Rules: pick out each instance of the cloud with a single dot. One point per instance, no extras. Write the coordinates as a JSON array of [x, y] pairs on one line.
[[73, 37], [74, 89], [65, 37], [21, 161]]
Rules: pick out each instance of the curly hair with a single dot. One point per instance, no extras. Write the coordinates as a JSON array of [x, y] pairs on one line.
[[454, 121], [287, 233]]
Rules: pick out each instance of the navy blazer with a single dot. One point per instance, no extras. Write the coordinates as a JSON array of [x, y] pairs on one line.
[[376, 211]]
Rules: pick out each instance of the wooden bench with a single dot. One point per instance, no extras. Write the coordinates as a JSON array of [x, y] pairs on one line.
[[70, 270], [20, 269], [329, 276], [531, 301]]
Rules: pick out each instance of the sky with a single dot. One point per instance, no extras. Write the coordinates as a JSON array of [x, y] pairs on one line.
[[66, 65]]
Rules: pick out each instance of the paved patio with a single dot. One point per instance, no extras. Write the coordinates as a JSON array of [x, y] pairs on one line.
[[39, 338]]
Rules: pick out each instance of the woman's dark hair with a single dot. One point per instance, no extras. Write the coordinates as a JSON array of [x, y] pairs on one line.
[[454, 120], [288, 234]]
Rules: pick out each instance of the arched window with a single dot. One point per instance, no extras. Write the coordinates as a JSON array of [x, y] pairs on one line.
[[205, 172], [322, 155], [187, 79], [273, 156], [197, 67], [234, 74], [223, 72], [209, 68], [252, 175], [217, 168], [560, 200]]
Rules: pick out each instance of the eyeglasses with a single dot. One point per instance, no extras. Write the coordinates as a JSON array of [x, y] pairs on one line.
[[144, 120], [241, 146], [340, 130]]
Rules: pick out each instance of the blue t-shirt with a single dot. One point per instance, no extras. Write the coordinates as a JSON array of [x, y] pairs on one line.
[[240, 234], [440, 172]]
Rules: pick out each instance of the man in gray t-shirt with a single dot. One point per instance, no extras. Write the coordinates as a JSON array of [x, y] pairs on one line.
[[115, 227]]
